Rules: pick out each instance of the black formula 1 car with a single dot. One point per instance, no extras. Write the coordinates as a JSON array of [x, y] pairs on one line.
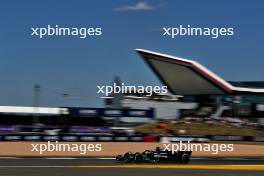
[[150, 156]]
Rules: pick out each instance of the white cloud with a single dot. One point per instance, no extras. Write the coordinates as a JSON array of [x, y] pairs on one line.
[[140, 6]]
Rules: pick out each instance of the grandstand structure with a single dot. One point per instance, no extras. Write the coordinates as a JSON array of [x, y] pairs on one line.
[[197, 83]]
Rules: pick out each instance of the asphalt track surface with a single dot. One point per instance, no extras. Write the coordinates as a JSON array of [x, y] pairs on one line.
[[108, 167]]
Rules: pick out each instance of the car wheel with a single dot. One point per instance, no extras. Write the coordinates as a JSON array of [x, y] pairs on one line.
[[185, 158], [119, 158]]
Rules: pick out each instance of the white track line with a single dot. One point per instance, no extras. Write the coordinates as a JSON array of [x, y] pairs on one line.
[[105, 158], [7, 157]]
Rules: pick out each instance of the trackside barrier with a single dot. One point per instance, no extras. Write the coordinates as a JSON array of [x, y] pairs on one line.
[[110, 138]]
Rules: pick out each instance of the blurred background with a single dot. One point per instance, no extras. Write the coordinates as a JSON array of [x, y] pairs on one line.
[[48, 86]]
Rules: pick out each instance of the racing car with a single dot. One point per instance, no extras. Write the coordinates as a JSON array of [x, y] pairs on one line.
[[155, 156]]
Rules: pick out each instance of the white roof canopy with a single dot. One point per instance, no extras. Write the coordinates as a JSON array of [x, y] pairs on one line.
[[188, 77]]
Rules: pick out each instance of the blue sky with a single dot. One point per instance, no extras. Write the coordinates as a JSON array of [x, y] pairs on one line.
[[76, 66]]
